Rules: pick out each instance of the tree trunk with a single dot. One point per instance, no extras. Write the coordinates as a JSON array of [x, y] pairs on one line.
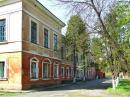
[[74, 63], [84, 67]]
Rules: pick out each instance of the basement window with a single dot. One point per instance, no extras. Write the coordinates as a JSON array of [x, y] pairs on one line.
[[2, 70]]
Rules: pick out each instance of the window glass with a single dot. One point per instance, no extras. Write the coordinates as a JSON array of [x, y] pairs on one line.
[[62, 72], [56, 71], [45, 71], [33, 32], [55, 42], [67, 72], [46, 38], [2, 70], [2, 30], [34, 69]]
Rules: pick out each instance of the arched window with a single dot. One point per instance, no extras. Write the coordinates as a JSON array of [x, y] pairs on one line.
[[62, 72], [67, 72], [46, 69], [34, 68], [56, 71]]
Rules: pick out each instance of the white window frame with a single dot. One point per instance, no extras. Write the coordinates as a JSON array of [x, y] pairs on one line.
[[57, 71], [37, 68], [7, 27], [63, 73], [48, 36], [5, 68], [34, 20], [48, 68]]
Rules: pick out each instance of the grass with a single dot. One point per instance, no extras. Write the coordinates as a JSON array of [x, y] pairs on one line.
[[122, 89], [10, 93]]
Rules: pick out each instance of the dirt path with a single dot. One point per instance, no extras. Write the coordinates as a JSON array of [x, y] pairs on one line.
[[95, 88]]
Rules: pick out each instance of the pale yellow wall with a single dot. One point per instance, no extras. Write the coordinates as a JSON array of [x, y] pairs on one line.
[[43, 21], [13, 63]]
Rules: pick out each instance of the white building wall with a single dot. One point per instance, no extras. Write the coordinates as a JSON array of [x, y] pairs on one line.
[[13, 15]]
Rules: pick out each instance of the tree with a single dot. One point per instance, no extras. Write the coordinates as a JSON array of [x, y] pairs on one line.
[[76, 28], [84, 50], [110, 25], [117, 24]]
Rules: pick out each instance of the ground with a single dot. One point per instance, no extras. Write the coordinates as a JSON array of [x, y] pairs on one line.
[[95, 88]]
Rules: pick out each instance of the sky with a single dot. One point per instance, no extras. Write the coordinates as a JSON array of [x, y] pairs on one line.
[[58, 10]]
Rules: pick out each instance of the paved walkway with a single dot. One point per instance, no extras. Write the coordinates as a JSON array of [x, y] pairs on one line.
[[95, 88]]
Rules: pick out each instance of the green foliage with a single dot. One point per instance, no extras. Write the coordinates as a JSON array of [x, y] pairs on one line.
[[11, 93], [76, 38], [122, 89], [98, 50], [117, 24], [75, 28], [76, 25], [76, 33]]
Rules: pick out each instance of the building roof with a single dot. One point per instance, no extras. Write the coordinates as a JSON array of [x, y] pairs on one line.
[[39, 5], [43, 8]]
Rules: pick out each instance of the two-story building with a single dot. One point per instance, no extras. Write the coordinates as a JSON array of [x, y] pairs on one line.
[[30, 46]]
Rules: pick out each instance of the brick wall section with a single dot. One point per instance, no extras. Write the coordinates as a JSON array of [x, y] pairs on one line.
[[27, 83]]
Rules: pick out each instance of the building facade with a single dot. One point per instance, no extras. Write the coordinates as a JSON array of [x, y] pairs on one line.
[[30, 46]]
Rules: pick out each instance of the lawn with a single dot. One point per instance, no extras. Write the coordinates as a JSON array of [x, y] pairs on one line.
[[122, 89], [10, 93]]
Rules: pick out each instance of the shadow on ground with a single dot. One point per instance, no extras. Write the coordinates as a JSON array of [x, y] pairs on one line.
[[90, 85]]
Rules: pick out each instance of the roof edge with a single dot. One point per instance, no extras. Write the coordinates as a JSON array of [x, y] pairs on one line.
[[49, 13]]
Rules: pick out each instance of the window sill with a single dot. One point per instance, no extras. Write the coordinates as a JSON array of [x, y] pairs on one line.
[[46, 47], [33, 79], [46, 79], [3, 79], [4, 42], [56, 78], [34, 43], [55, 50]]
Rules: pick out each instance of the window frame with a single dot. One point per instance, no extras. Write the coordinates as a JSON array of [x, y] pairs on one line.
[[37, 67], [5, 69], [6, 28], [55, 49], [57, 77], [48, 68], [37, 32], [72, 72], [63, 73], [67, 72], [44, 28]]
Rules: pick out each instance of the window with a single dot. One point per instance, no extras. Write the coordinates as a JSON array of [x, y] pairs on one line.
[[46, 38], [67, 72], [62, 72], [2, 30], [62, 53], [45, 69], [56, 70], [2, 70], [55, 42], [34, 69], [33, 32], [72, 72]]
